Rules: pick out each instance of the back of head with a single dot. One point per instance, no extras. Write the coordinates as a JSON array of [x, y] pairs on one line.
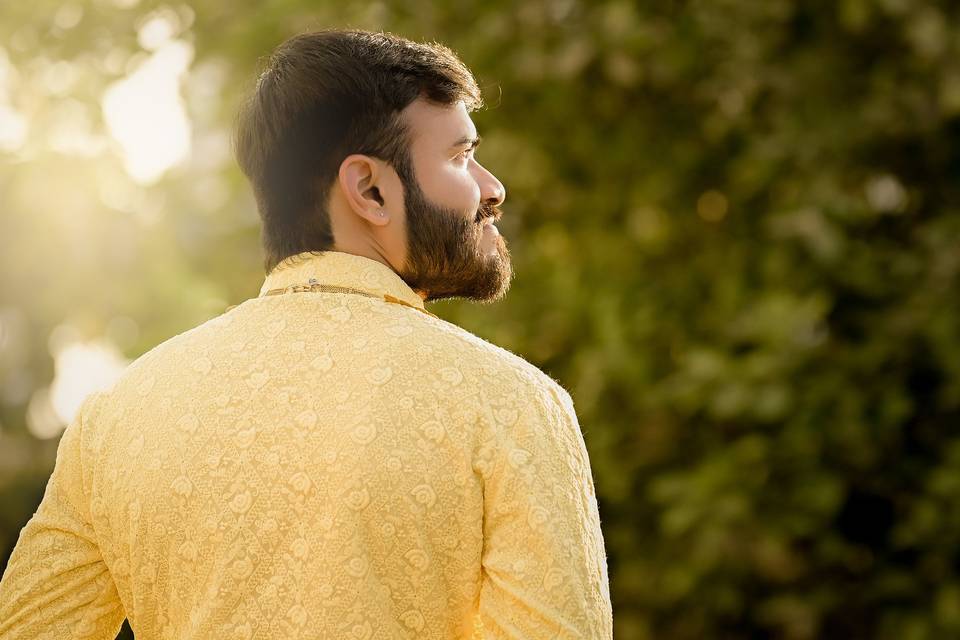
[[323, 96]]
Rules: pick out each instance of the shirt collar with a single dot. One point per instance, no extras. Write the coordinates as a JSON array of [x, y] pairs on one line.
[[343, 270]]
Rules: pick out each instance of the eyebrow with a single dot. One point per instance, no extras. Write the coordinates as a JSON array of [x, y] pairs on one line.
[[473, 142]]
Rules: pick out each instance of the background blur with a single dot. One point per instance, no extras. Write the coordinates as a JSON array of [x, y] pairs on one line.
[[736, 232]]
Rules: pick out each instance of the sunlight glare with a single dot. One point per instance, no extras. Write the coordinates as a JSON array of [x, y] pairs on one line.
[[82, 367], [13, 126], [146, 115]]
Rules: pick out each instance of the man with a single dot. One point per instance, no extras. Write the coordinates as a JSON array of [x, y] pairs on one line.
[[329, 459]]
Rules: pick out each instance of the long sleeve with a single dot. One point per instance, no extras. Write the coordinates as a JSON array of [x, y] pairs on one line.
[[544, 567], [56, 584]]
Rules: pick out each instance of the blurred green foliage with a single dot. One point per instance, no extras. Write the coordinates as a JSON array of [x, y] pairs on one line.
[[736, 236]]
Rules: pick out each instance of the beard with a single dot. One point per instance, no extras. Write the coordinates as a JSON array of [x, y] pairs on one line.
[[445, 258]]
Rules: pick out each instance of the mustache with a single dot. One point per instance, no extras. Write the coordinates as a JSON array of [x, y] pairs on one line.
[[487, 210]]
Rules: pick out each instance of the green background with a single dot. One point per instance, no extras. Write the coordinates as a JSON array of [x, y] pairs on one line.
[[734, 226]]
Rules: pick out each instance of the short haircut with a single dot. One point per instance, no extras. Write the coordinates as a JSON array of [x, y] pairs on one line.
[[323, 96]]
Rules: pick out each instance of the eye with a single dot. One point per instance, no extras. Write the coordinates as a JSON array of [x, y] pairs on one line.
[[463, 155]]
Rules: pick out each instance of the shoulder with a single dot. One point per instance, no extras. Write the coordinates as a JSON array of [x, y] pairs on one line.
[[481, 359], [164, 360]]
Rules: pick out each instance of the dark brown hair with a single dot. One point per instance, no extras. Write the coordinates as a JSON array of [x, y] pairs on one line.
[[323, 96]]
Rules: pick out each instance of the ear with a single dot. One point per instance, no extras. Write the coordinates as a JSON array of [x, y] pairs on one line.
[[360, 180]]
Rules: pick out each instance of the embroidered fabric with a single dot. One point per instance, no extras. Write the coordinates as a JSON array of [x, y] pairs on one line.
[[318, 465]]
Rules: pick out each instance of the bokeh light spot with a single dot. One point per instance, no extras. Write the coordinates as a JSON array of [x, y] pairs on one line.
[[145, 113], [712, 206]]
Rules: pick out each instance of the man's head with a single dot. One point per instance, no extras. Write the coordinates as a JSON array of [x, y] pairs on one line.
[[362, 142]]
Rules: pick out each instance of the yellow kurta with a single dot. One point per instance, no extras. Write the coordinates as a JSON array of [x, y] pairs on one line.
[[335, 463]]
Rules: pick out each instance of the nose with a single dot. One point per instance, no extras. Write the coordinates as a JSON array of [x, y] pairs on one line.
[[492, 190]]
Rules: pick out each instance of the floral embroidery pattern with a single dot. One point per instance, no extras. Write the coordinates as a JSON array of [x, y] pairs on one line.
[[318, 464]]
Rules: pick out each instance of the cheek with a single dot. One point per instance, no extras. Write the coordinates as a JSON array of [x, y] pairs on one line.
[[457, 189], [469, 195]]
